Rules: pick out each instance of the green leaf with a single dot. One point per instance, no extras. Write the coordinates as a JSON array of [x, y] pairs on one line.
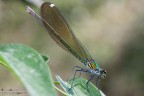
[[79, 87], [30, 67]]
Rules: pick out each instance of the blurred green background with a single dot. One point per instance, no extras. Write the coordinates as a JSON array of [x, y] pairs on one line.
[[111, 30]]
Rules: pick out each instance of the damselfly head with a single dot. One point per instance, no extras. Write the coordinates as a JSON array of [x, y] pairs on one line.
[[103, 73]]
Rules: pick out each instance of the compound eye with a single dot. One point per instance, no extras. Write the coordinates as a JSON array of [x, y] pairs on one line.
[[104, 73]]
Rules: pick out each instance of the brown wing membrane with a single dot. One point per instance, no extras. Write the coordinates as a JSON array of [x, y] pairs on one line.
[[60, 32]]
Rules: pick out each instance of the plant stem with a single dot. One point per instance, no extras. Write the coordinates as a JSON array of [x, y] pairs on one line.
[[60, 91]]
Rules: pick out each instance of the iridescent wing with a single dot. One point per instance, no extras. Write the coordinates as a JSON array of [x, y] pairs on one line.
[[61, 32]]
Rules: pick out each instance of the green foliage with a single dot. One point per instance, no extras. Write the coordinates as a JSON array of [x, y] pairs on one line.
[[77, 87], [30, 67]]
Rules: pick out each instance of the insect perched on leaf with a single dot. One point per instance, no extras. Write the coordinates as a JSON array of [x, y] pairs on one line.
[[62, 34]]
